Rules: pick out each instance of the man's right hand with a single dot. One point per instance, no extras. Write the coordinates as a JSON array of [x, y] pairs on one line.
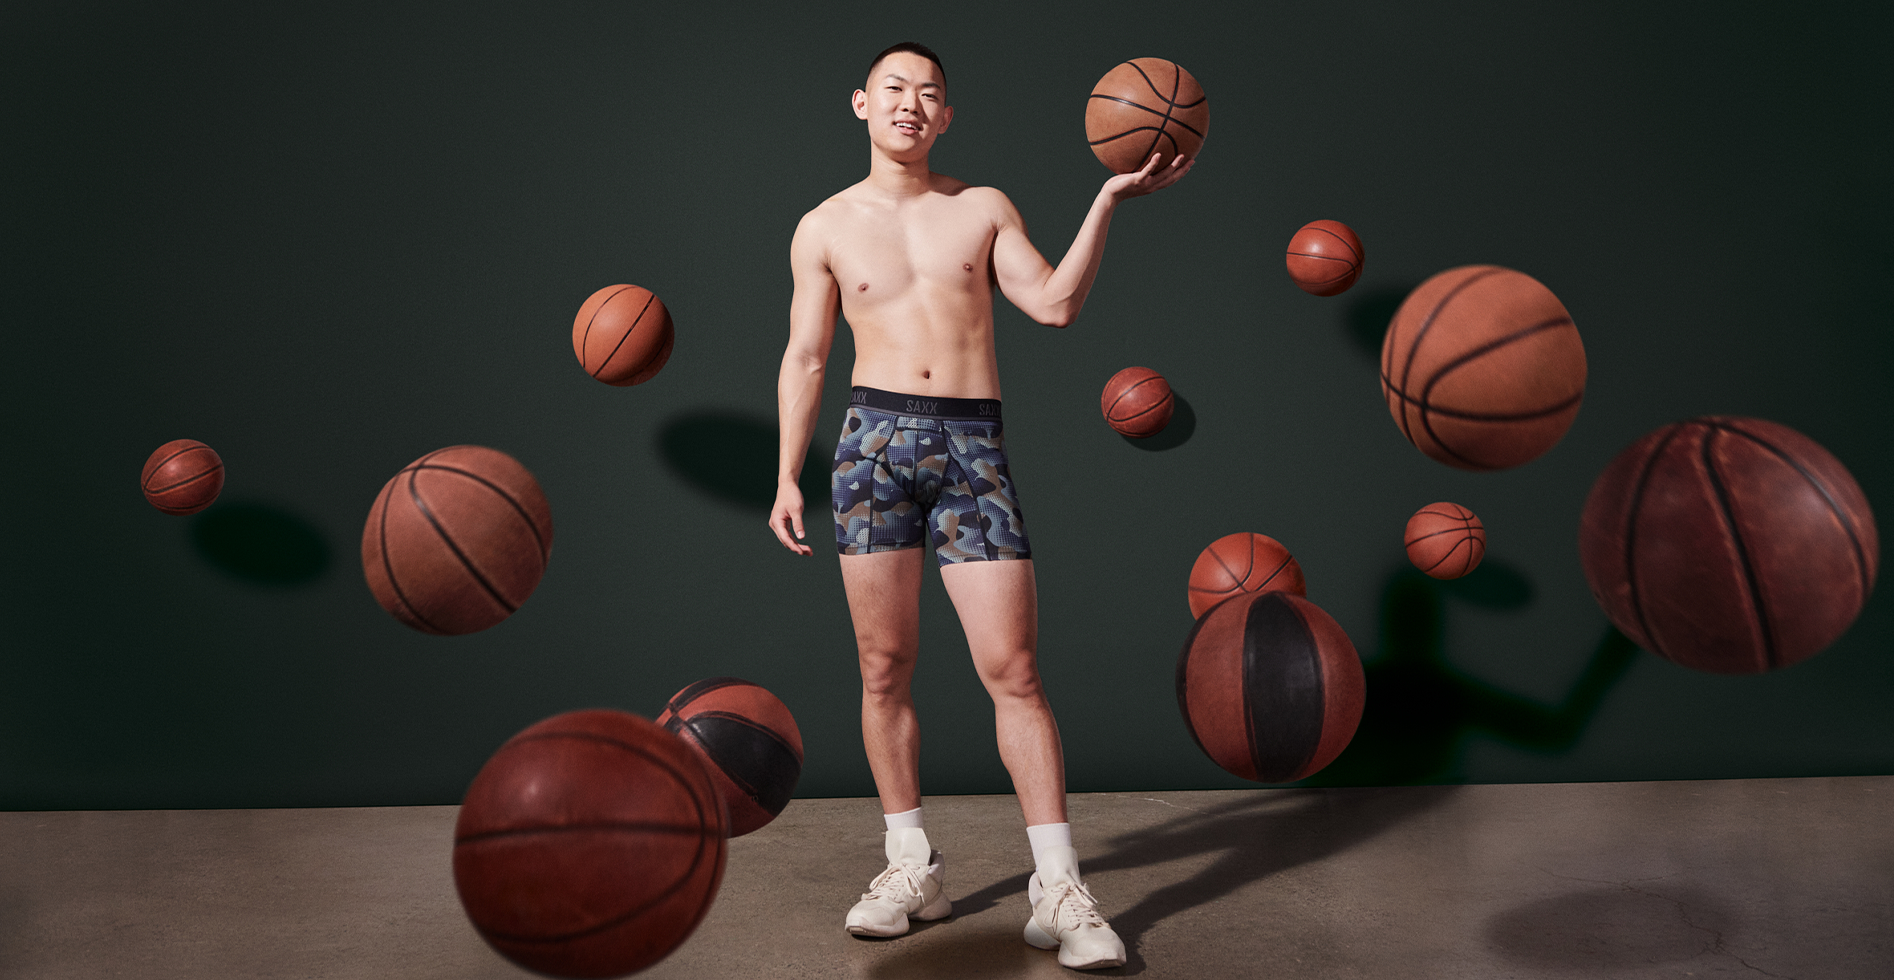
[[786, 518]]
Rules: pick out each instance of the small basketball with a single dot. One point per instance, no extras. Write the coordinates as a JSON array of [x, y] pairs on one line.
[[1729, 545], [457, 540], [590, 845], [1445, 540], [1325, 258], [623, 335], [1270, 687], [749, 740], [1145, 106], [1482, 368], [1137, 402], [182, 476], [1239, 563]]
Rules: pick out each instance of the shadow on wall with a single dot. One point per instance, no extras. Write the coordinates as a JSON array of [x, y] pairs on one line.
[[731, 456], [1182, 425], [261, 544], [1366, 319], [1421, 710]]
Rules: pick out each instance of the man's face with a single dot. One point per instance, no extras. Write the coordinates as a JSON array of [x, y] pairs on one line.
[[905, 105]]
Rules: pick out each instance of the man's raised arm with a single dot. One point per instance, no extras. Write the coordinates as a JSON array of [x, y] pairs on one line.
[[799, 386], [1054, 296]]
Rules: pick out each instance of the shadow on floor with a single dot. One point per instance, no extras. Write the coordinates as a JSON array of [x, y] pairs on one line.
[[1182, 426], [1610, 926], [731, 456], [261, 544]]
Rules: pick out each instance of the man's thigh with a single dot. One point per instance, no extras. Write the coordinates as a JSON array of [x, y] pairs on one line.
[[884, 599], [998, 603]]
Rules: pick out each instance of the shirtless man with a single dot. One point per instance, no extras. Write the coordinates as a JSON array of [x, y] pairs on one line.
[[911, 258]]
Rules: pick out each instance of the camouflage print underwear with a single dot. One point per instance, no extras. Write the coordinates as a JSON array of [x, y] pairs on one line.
[[909, 467]]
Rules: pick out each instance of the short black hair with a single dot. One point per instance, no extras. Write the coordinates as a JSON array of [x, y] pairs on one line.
[[912, 47]]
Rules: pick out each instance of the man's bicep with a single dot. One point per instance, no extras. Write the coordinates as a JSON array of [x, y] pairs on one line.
[[813, 306], [1018, 268]]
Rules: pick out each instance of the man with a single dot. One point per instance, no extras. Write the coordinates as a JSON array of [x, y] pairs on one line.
[[911, 258]]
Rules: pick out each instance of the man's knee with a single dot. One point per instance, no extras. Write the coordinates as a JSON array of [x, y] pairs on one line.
[[886, 673], [1013, 677]]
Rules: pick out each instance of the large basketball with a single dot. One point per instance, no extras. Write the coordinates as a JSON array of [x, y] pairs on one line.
[[1324, 258], [1145, 106], [750, 741], [457, 540], [1730, 545], [1270, 687], [1482, 368], [1137, 402], [182, 476], [590, 845], [1239, 563], [1445, 540], [623, 335]]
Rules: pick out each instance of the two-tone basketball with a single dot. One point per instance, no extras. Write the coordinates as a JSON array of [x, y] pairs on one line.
[[748, 738], [590, 845], [1239, 563]]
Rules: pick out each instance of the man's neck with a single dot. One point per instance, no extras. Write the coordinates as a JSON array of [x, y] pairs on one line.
[[897, 179]]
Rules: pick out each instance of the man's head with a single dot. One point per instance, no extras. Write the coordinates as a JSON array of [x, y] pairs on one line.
[[904, 101]]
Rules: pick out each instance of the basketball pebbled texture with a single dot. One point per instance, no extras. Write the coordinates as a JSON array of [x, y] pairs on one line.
[[1730, 545], [1145, 106], [1270, 687], [748, 740], [1324, 258], [1137, 402], [1482, 368], [1445, 540], [182, 477], [1239, 563], [457, 540], [623, 335], [590, 845]]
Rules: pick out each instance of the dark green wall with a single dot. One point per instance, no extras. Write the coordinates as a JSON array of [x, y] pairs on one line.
[[330, 241]]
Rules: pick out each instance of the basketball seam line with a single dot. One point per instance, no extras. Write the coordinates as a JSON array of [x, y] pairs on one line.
[[414, 493], [1146, 108], [388, 565], [652, 298], [161, 463], [1168, 396], [545, 552], [1631, 529], [1420, 333], [1449, 554], [1469, 357], [1454, 413], [698, 689], [1342, 241], [1177, 82], [586, 338], [1273, 574], [629, 825], [1841, 517], [219, 468], [1452, 530], [1742, 550]]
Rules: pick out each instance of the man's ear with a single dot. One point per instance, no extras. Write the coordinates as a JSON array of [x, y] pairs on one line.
[[946, 119], [860, 101]]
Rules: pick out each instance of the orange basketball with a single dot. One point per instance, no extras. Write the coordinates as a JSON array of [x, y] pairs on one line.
[[750, 741], [1445, 540], [182, 476], [623, 335], [1482, 368], [1239, 563], [1325, 257], [1145, 106], [590, 845], [1137, 402], [457, 540]]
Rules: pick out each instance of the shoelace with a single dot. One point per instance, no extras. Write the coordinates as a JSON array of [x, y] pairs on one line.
[[891, 883], [1075, 907]]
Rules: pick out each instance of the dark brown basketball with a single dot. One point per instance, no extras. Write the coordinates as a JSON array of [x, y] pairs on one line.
[[749, 740], [1270, 687], [1239, 563], [1482, 368], [1325, 257], [1730, 545], [182, 476], [623, 335], [1445, 540], [1137, 402], [1145, 106], [589, 845], [457, 540]]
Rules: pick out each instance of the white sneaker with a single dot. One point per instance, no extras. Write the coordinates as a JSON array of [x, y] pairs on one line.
[[1065, 916], [909, 889]]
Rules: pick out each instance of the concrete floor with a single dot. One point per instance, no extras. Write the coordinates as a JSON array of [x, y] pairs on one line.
[[1741, 878]]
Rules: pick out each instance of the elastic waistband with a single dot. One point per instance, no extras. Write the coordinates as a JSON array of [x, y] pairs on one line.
[[925, 406]]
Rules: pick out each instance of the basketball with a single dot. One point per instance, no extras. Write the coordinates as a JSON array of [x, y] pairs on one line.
[[1145, 106], [1137, 402], [590, 845], [1482, 368], [1270, 687], [1325, 258], [749, 741], [623, 335], [1729, 545], [1239, 563], [457, 540], [182, 476], [1445, 540]]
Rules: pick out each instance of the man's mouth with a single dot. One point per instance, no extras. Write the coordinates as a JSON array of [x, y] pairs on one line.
[[908, 128]]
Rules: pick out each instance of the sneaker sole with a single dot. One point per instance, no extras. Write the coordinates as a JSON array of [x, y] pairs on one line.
[[1039, 939]]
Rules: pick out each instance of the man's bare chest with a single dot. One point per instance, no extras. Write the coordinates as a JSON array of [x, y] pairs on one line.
[[888, 254]]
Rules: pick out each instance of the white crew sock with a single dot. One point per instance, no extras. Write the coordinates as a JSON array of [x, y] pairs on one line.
[[906, 818], [1047, 835]]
